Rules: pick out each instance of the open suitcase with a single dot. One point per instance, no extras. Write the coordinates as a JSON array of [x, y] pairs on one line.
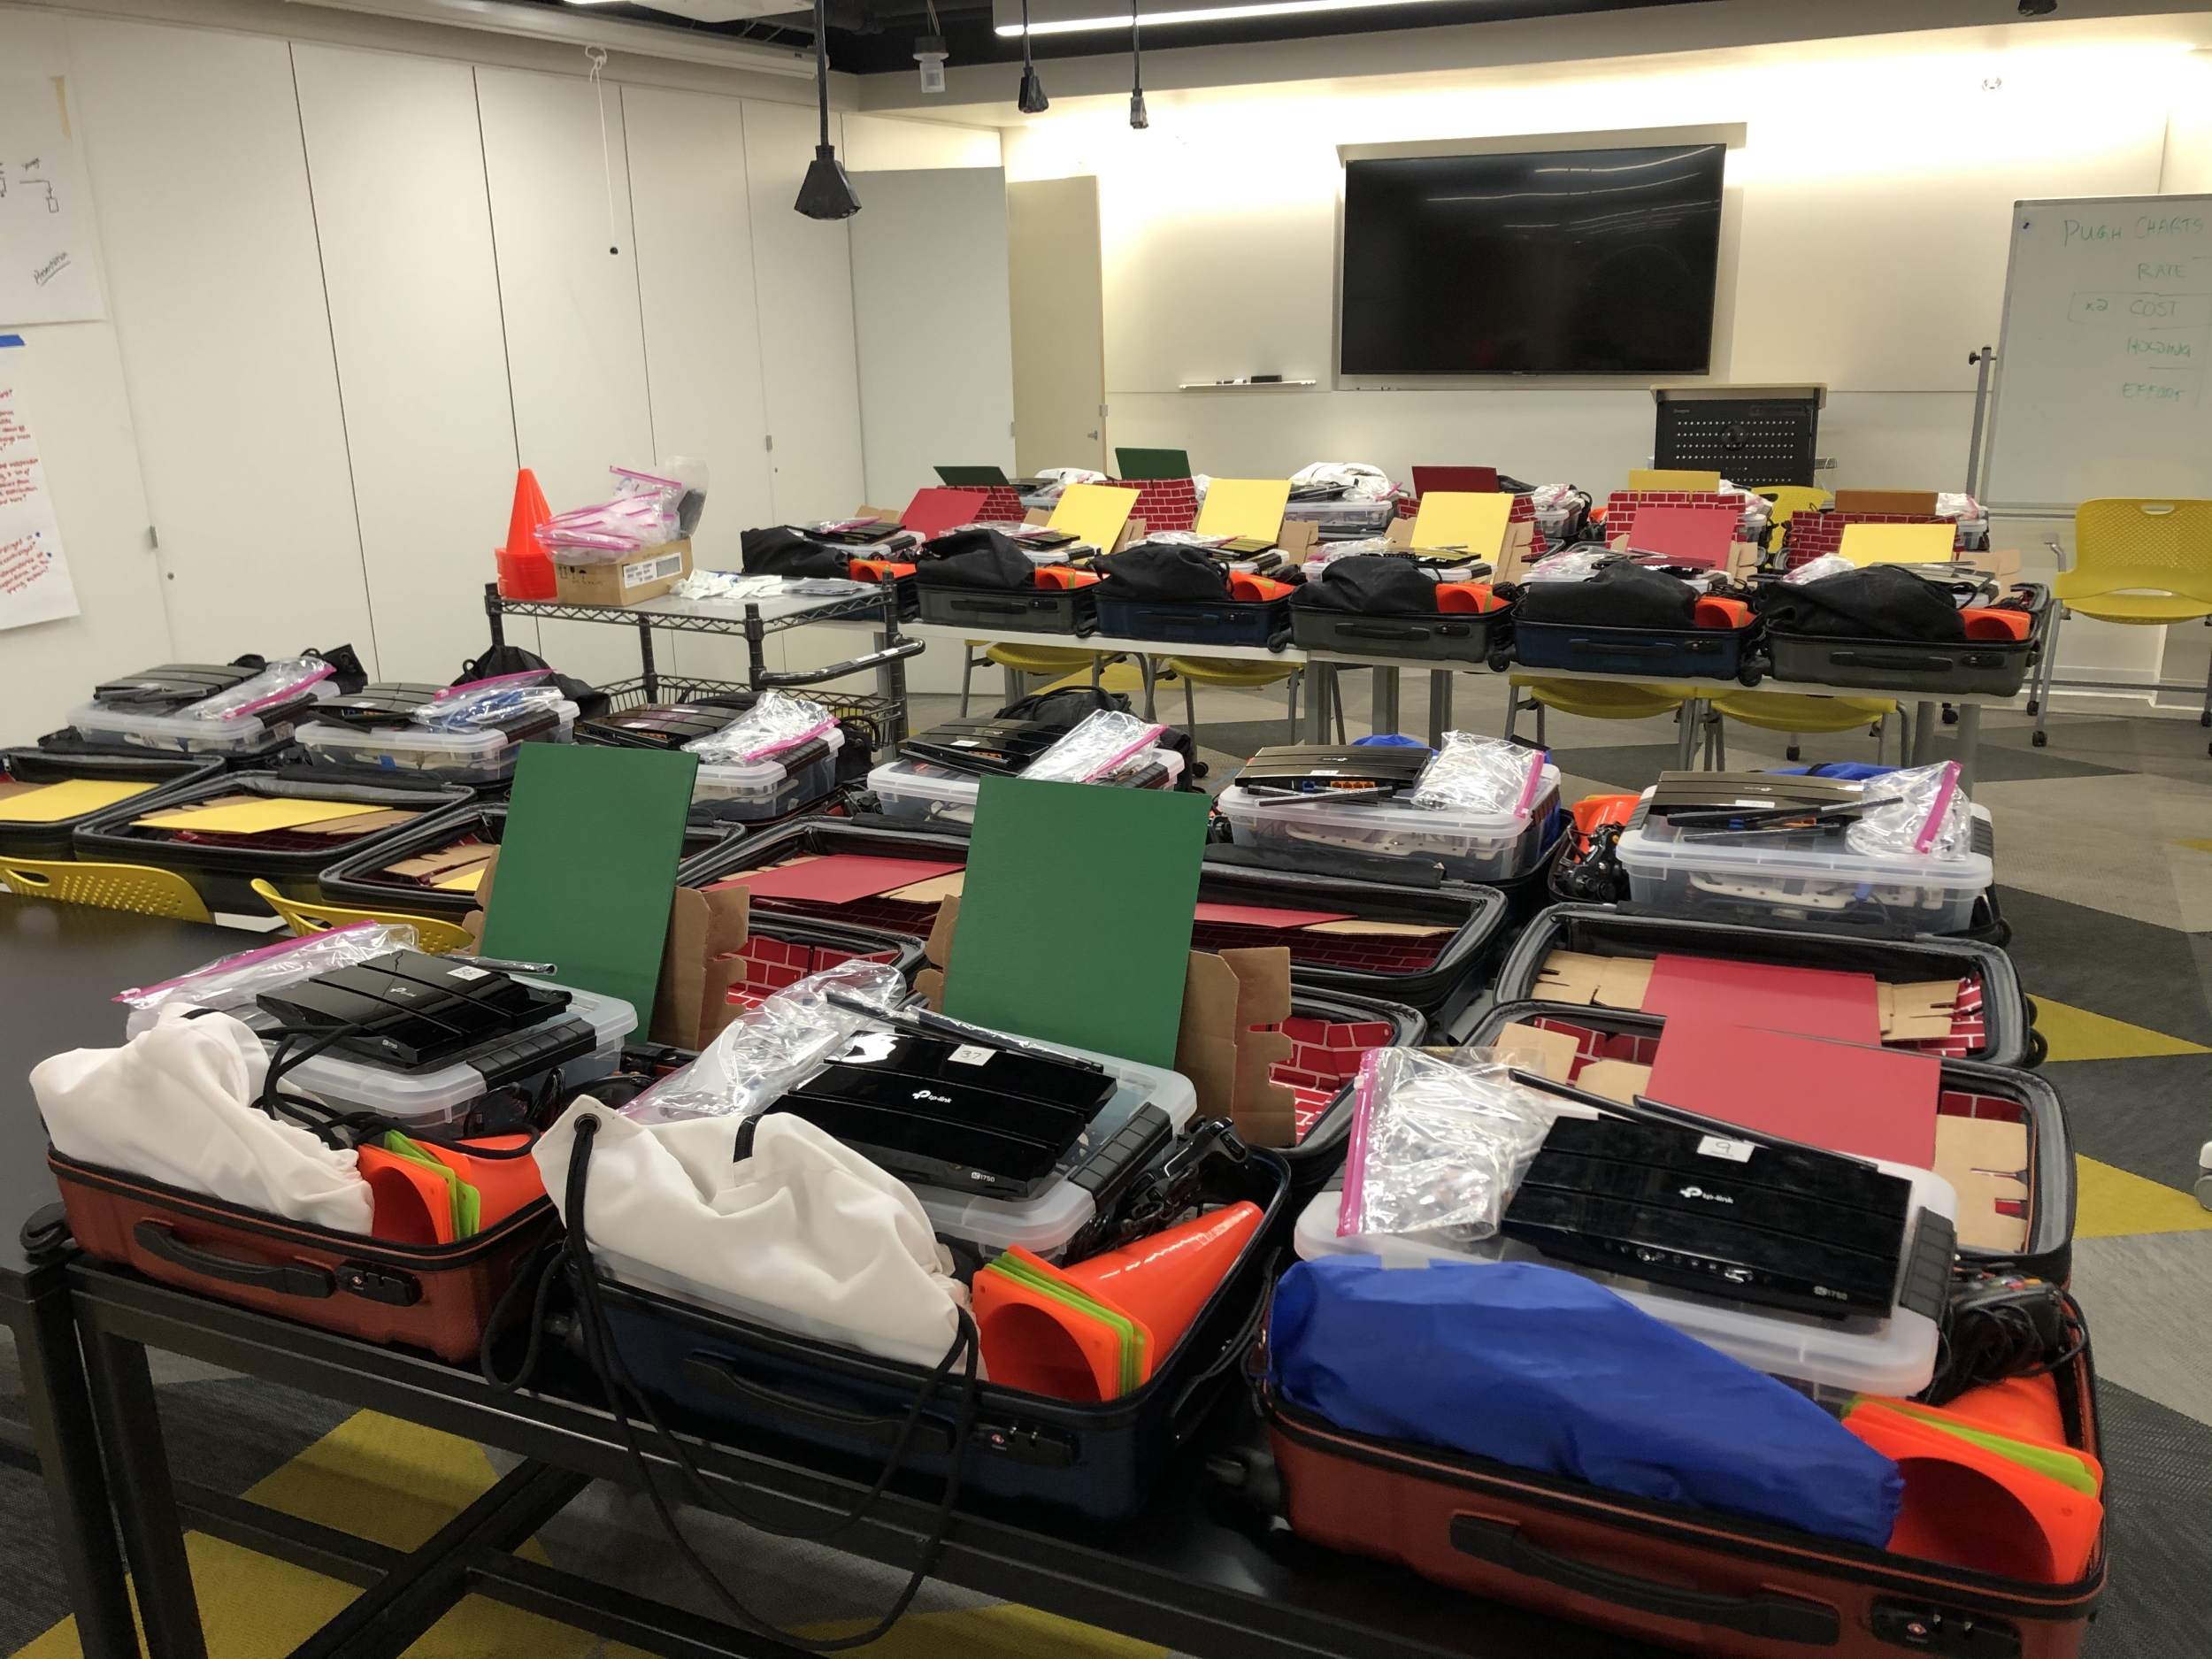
[[1687, 1579], [165, 775]]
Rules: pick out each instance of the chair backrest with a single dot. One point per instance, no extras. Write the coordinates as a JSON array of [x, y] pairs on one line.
[[433, 936], [1459, 480], [2159, 543], [137, 888], [1792, 499]]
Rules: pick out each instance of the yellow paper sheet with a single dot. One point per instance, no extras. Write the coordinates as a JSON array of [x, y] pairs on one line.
[[1898, 543], [467, 881], [1671, 478], [1245, 506], [1093, 513], [1449, 520], [67, 799], [255, 818]]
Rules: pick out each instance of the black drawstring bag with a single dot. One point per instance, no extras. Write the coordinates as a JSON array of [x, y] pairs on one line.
[[1164, 572], [780, 551], [1882, 602], [1621, 595], [979, 558], [590, 702], [1370, 585]]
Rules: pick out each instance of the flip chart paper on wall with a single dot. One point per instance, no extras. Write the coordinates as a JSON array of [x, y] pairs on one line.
[[1897, 543], [1094, 513], [588, 864], [1449, 519], [1077, 926], [46, 262], [253, 818], [1245, 506], [54, 802]]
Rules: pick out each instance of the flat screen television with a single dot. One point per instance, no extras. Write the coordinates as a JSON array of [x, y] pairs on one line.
[[1563, 262]]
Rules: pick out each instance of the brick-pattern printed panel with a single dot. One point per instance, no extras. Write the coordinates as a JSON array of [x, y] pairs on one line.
[[1814, 536], [1620, 508], [1635, 1047], [1328, 951], [1166, 504], [1969, 1030], [1002, 503], [1323, 1056], [773, 963]]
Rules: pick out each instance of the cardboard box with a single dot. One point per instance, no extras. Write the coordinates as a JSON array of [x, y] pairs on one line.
[[648, 574], [1919, 503]]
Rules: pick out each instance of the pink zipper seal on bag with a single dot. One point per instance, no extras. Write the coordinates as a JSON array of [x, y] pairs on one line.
[[1352, 1209], [1945, 790], [1528, 789]]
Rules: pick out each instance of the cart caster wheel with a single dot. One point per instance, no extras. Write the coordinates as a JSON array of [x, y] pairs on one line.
[[1950, 715], [1750, 676], [2204, 720], [2204, 1190], [1792, 752], [2040, 739], [2034, 707], [1499, 661]]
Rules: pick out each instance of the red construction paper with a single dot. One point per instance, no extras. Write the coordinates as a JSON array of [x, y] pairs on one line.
[[1873, 1103], [839, 878], [1263, 916], [933, 512], [1810, 1002], [1686, 534]]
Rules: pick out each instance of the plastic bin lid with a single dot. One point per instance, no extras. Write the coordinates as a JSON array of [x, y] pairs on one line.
[[477, 745], [767, 772], [1895, 1356], [908, 776], [1657, 848], [1400, 814]]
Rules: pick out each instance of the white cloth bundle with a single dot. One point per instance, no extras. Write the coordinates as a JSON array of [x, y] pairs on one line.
[[175, 1104], [805, 1234]]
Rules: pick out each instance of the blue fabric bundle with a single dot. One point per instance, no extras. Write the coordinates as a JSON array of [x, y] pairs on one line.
[[1533, 1366]]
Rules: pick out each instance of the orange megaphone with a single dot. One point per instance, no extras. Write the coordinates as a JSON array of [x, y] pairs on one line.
[[1041, 1328], [1254, 589], [1722, 613], [1992, 622], [1065, 576], [1969, 1507], [1463, 596]]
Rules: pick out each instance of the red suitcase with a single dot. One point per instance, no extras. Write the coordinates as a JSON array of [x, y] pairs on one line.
[[1688, 1579], [434, 1296]]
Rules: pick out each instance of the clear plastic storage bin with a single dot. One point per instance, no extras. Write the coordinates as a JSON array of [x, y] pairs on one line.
[[1470, 846], [430, 1098], [1893, 1356], [176, 733], [926, 792], [1802, 878], [485, 757], [765, 788]]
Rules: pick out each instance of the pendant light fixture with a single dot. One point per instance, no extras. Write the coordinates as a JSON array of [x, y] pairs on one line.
[[1138, 119], [1032, 100], [826, 193]]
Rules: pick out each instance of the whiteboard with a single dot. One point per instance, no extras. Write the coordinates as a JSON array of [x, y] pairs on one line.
[[2100, 367]]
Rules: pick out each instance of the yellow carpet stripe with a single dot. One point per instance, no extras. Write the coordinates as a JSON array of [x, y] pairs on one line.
[[2075, 1034], [2112, 1203]]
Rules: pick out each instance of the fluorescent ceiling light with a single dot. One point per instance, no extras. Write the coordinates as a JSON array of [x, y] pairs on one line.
[[704, 10], [1206, 14]]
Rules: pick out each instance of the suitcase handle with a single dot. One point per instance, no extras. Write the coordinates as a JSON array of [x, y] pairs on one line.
[[1380, 631], [992, 607], [1629, 648], [1879, 659], [286, 1278], [1504, 1545], [718, 1375]]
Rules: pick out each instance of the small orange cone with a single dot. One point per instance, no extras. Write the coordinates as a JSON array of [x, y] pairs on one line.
[[524, 571], [1049, 1344], [2025, 1408]]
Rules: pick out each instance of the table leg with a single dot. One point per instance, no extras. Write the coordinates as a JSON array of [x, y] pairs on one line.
[[145, 1499], [1016, 689], [1320, 692], [645, 661], [1970, 741], [1692, 718], [1149, 672], [56, 1400], [1439, 705], [1383, 716], [1924, 730]]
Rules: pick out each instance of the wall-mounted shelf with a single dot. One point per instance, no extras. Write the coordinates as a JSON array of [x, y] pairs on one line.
[[1240, 386]]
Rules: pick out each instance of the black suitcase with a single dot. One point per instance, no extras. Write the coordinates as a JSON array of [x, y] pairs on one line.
[[1099, 1459], [1028, 610], [169, 775], [1438, 636], [1928, 668], [1648, 653], [1263, 622]]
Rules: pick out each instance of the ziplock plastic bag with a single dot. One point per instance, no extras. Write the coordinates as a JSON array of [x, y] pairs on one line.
[[279, 682], [777, 722], [603, 534], [1103, 741], [1438, 1146], [486, 702], [771, 1047], [1474, 774], [692, 474], [1931, 816], [666, 495], [1826, 565], [1575, 564], [233, 981]]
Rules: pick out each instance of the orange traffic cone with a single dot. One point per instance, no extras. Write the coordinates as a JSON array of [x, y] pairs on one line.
[[524, 571], [2025, 1408], [1098, 1329]]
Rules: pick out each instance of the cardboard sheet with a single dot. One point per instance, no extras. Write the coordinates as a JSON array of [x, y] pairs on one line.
[[1449, 520], [1582, 980], [1227, 1044], [1093, 513], [1355, 927], [1872, 1102], [838, 879], [933, 512], [1615, 1079], [1810, 1002], [444, 862], [461, 881], [1896, 543], [1919, 1012], [588, 864], [1689, 533], [366, 823], [1266, 916], [51, 803], [936, 890], [1986, 1160], [1078, 929], [255, 815], [1244, 506], [1548, 1053]]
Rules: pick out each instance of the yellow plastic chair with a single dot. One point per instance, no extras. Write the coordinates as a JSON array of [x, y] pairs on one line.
[[1796, 712], [2138, 562], [136, 887], [1790, 500], [435, 937], [1596, 700], [1234, 674], [1028, 659]]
